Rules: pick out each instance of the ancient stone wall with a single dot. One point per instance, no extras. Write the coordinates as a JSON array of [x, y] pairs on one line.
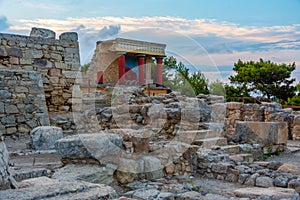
[[265, 112], [56, 60], [22, 102]]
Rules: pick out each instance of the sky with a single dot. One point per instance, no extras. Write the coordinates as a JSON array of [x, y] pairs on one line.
[[207, 34]]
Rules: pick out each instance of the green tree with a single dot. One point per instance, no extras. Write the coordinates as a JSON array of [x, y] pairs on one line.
[[265, 77], [236, 91], [178, 78]]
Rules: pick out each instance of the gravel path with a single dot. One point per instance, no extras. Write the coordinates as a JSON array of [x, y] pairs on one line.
[[291, 156]]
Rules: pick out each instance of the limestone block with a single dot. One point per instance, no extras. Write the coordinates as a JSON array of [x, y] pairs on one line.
[[16, 52], [56, 56], [45, 137], [153, 168], [61, 65], [46, 188], [275, 193], [295, 184], [4, 94], [101, 146], [289, 168], [70, 36], [42, 32], [87, 173], [264, 133], [234, 105], [264, 181], [42, 63], [33, 53]]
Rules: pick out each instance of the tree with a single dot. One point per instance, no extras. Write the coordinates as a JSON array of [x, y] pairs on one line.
[[179, 78], [236, 91], [265, 77]]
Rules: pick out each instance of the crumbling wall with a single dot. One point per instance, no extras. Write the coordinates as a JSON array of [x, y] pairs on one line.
[[104, 61], [265, 112], [56, 60], [22, 102]]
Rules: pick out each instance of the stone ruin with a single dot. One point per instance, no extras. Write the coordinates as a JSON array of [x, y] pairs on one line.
[[137, 144]]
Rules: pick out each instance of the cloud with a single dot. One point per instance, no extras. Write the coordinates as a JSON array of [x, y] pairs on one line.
[[3, 23], [198, 41], [89, 36]]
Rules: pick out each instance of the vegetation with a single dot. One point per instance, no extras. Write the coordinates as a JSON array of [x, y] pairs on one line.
[[263, 77], [179, 78], [85, 67], [295, 100]]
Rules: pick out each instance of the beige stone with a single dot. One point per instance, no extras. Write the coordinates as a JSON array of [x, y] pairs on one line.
[[55, 72], [289, 168], [14, 60], [272, 192]]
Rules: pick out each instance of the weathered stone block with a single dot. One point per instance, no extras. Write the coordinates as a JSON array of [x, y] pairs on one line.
[[295, 184], [264, 181], [264, 133], [15, 52], [266, 193], [46, 188], [101, 146], [45, 137], [4, 94], [42, 63], [234, 105], [70, 36], [42, 32]]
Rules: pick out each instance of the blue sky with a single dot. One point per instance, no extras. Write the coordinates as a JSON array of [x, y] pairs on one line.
[[199, 32]]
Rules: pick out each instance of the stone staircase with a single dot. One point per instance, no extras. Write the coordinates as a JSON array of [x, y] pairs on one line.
[[213, 138]]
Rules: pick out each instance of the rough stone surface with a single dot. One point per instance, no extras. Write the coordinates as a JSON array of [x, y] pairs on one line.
[[295, 184], [264, 182], [264, 133], [272, 193], [87, 173], [45, 137], [42, 53], [106, 148], [45, 188], [289, 168], [4, 183], [23, 99], [41, 32]]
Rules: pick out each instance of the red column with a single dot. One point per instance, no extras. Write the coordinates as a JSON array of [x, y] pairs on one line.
[[100, 77], [121, 60], [141, 62], [159, 70]]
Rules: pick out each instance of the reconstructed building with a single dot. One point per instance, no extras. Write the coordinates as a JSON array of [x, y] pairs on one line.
[[127, 62]]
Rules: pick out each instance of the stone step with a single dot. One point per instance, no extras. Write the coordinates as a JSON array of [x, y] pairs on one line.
[[209, 142], [231, 149], [213, 126], [190, 136], [240, 158]]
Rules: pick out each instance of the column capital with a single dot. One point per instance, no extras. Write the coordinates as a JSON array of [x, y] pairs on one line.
[[159, 57], [141, 55]]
